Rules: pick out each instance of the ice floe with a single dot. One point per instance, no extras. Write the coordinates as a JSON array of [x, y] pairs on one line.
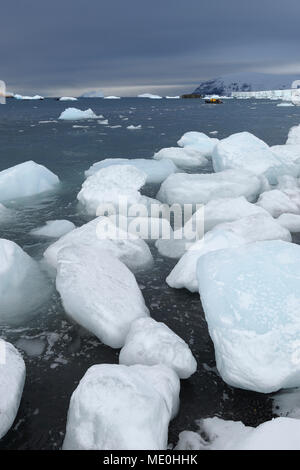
[[68, 98], [185, 188], [26, 179], [54, 228], [12, 378], [294, 136], [150, 342], [23, 287], [133, 128], [26, 98], [150, 95], [250, 296], [101, 233], [156, 171], [75, 114], [290, 221], [99, 292], [116, 407], [218, 434]]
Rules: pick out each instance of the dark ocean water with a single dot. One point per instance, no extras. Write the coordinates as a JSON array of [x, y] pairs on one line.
[[56, 352]]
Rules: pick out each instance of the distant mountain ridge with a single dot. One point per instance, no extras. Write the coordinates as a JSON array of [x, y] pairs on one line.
[[245, 81]]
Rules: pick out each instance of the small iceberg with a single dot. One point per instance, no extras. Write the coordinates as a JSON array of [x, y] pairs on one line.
[[75, 114], [149, 95], [68, 98]]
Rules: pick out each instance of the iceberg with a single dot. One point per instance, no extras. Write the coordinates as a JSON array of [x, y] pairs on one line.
[[116, 407], [218, 434], [12, 378], [185, 188], [99, 292], [244, 151], [101, 233], [278, 202], [53, 228], [198, 141], [186, 158], [26, 179], [75, 114], [156, 171], [250, 296], [256, 227], [149, 95], [112, 97], [109, 184], [133, 128], [149, 342], [23, 287], [26, 98], [68, 98]]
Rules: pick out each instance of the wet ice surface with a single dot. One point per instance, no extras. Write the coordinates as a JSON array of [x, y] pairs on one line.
[[57, 352]]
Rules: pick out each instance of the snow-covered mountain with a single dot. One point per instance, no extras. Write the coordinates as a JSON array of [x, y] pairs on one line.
[[245, 81]]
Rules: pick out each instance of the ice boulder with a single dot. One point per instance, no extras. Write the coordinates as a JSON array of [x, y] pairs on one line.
[[147, 228], [107, 186], [150, 342], [289, 153], [75, 114], [12, 378], [99, 292], [23, 287], [54, 228], [26, 179], [250, 296], [156, 171], [116, 407], [198, 141], [218, 434], [290, 221], [185, 188], [101, 233], [244, 151], [278, 202], [294, 136], [186, 158]]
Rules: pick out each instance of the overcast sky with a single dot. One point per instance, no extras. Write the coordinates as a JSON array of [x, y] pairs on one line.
[[126, 47]]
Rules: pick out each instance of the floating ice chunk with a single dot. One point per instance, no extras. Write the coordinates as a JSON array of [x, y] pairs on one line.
[[54, 228], [112, 97], [116, 407], [32, 347], [246, 152], [12, 378], [147, 228], [198, 141], [132, 128], [68, 98], [23, 287], [184, 274], [109, 184], [149, 95], [251, 300], [26, 98], [289, 153], [26, 179], [104, 122], [99, 292], [277, 434], [173, 97], [294, 136], [100, 234], [156, 171], [287, 182], [75, 114], [149, 342], [218, 211], [182, 157], [285, 104], [278, 202], [184, 188], [290, 221], [172, 248]]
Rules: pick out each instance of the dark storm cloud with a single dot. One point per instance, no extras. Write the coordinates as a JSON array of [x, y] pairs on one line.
[[68, 46]]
